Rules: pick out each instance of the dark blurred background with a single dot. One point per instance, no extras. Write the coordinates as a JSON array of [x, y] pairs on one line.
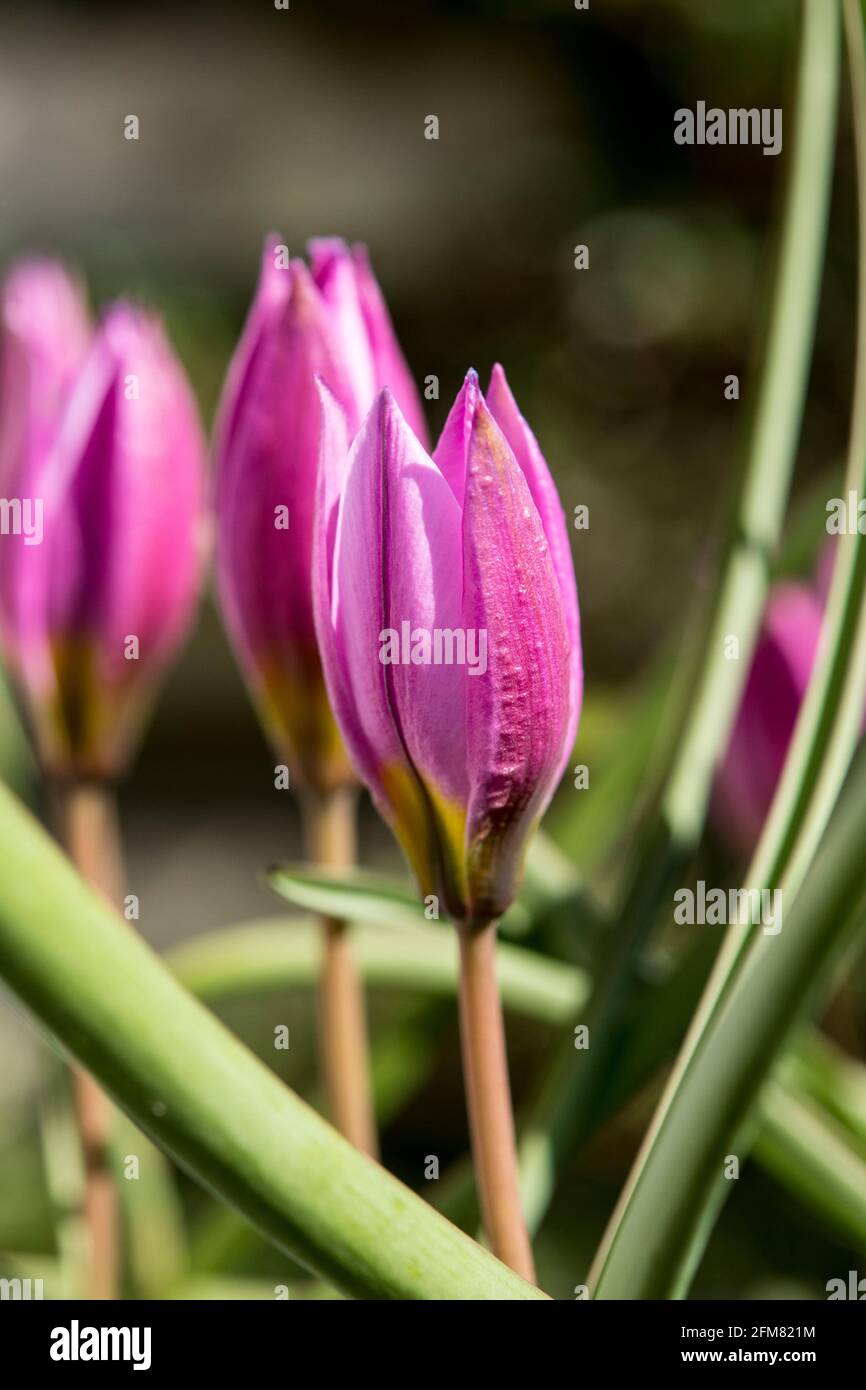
[[556, 128]]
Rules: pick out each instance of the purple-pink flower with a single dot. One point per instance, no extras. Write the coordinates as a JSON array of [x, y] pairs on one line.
[[447, 615], [100, 439], [327, 321], [762, 732]]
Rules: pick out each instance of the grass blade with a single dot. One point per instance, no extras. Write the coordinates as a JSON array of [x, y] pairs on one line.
[[653, 1231]]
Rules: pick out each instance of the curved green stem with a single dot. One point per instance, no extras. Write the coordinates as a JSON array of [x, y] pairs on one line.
[[278, 952], [820, 755], [573, 1092], [649, 1247], [206, 1100]]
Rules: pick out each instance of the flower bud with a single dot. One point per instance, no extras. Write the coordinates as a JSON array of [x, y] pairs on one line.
[[328, 321], [781, 667], [448, 621], [107, 439]]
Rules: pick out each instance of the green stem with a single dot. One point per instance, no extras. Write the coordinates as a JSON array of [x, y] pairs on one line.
[[651, 1238], [828, 725], [204, 1099], [820, 755], [88, 829], [574, 1090], [812, 1154], [265, 957], [488, 1099]]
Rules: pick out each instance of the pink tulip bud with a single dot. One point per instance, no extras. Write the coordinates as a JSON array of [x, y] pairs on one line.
[[762, 732], [106, 437], [448, 621], [45, 338], [330, 322]]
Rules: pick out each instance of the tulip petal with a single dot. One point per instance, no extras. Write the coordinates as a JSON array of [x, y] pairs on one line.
[[388, 361], [46, 334], [333, 272], [126, 533], [397, 570], [524, 446], [519, 714], [333, 464], [265, 528], [158, 511], [264, 567], [452, 450], [271, 294]]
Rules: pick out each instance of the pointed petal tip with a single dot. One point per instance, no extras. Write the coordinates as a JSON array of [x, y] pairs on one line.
[[126, 327], [270, 242], [34, 276], [388, 411], [324, 392], [44, 303], [388, 403], [326, 253], [471, 392], [274, 279], [500, 394], [327, 246], [302, 288]]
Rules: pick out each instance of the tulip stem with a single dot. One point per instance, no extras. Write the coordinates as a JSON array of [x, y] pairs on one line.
[[488, 1099], [87, 827], [329, 822]]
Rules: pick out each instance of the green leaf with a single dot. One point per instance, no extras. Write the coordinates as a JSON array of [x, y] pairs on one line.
[[356, 895], [664, 1204], [199, 1094], [152, 1213], [570, 1095], [206, 1289], [351, 895], [274, 953], [815, 1157], [830, 1076], [829, 722]]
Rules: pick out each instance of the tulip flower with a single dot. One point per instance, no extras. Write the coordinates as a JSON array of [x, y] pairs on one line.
[[762, 732], [447, 616], [463, 753], [45, 338], [101, 431], [327, 321], [101, 475]]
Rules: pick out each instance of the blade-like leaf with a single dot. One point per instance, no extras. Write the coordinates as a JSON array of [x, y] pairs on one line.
[[283, 951], [657, 1218], [206, 1100], [351, 895], [359, 896]]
